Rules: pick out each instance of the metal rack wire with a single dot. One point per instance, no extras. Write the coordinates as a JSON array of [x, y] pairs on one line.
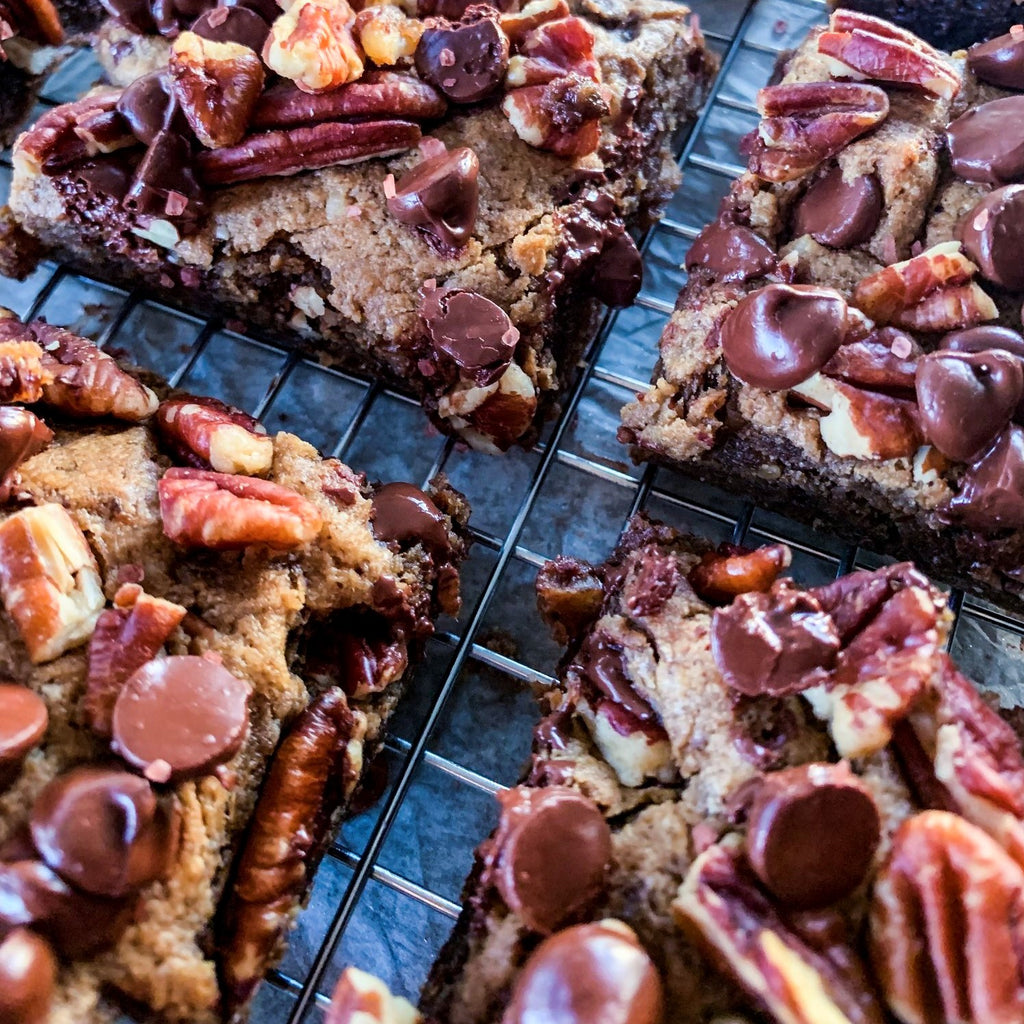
[[387, 892]]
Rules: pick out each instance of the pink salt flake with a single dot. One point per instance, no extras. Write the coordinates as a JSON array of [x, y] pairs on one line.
[[901, 348], [389, 187], [431, 146]]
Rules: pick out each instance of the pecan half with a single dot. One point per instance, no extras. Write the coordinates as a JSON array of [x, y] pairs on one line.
[[282, 153], [52, 144], [126, 637], [933, 291], [222, 511], [804, 123], [49, 580], [724, 574], [947, 925], [206, 433], [555, 48], [378, 94], [315, 768], [722, 905], [860, 46]]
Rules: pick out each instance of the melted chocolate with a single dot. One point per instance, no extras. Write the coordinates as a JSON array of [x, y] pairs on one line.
[[731, 252], [440, 195], [840, 213], [28, 974], [991, 493], [601, 661], [987, 143], [23, 721], [988, 336], [233, 25], [991, 235], [403, 514], [1000, 61]]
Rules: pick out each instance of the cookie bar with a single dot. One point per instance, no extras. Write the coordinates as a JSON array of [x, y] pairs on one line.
[[204, 632], [439, 202], [847, 348], [750, 802]]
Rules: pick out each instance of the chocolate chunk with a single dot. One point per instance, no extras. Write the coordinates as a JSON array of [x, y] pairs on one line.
[[136, 15], [775, 643], [23, 721], [731, 252], [178, 718], [779, 335], [103, 830], [588, 974], [165, 184], [233, 25], [440, 195], [967, 398], [618, 272], [839, 213], [148, 105], [987, 143], [28, 974], [988, 336], [991, 495], [601, 663], [78, 925], [473, 331], [171, 16], [554, 851], [991, 235], [405, 515], [22, 435], [1000, 61], [812, 833], [467, 62]]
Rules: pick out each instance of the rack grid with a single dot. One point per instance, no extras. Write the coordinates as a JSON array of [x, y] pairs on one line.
[[387, 893]]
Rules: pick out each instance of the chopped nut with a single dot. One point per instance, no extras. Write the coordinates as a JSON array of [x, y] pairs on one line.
[[804, 123], [311, 44], [22, 372], [360, 998], [491, 418], [387, 34], [929, 465], [223, 511], [722, 575], [569, 595], [517, 24], [22, 435], [860, 46], [869, 424], [563, 117], [215, 436], [555, 48], [49, 580], [37, 20], [216, 86], [51, 144], [947, 925]]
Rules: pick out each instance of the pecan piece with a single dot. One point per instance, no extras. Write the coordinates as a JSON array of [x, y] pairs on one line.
[[312, 44], [208, 434], [22, 435], [947, 925], [314, 769], [933, 291], [555, 48], [387, 34], [49, 580], [728, 572], [860, 46], [379, 94], [804, 123], [222, 511], [216, 86], [360, 998], [563, 116], [52, 144], [23, 374], [126, 637], [569, 595], [797, 983], [282, 153]]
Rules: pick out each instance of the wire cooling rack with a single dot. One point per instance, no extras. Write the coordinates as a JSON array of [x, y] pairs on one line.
[[387, 893]]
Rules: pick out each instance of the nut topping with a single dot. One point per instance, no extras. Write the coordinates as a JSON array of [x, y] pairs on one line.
[[223, 511], [22, 435], [23, 374], [49, 581], [37, 20], [947, 925], [206, 433], [216, 86], [387, 34], [860, 46], [311, 43], [360, 998], [724, 574], [804, 123]]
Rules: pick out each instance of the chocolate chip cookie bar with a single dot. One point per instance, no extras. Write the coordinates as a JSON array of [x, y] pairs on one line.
[[751, 801], [204, 631], [847, 348], [439, 201]]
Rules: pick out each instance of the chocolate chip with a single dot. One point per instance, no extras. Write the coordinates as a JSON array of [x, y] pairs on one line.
[[78, 925], [180, 717], [440, 195], [987, 143], [781, 334], [812, 833], [136, 15], [268, 10], [28, 974], [22, 435], [1000, 61], [467, 62], [554, 854], [171, 16], [967, 398], [473, 331], [991, 236], [103, 830], [601, 663], [165, 184], [775, 643], [23, 721], [403, 514], [618, 272], [839, 213], [147, 105], [588, 974], [991, 495], [731, 252], [233, 25], [988, 336]]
